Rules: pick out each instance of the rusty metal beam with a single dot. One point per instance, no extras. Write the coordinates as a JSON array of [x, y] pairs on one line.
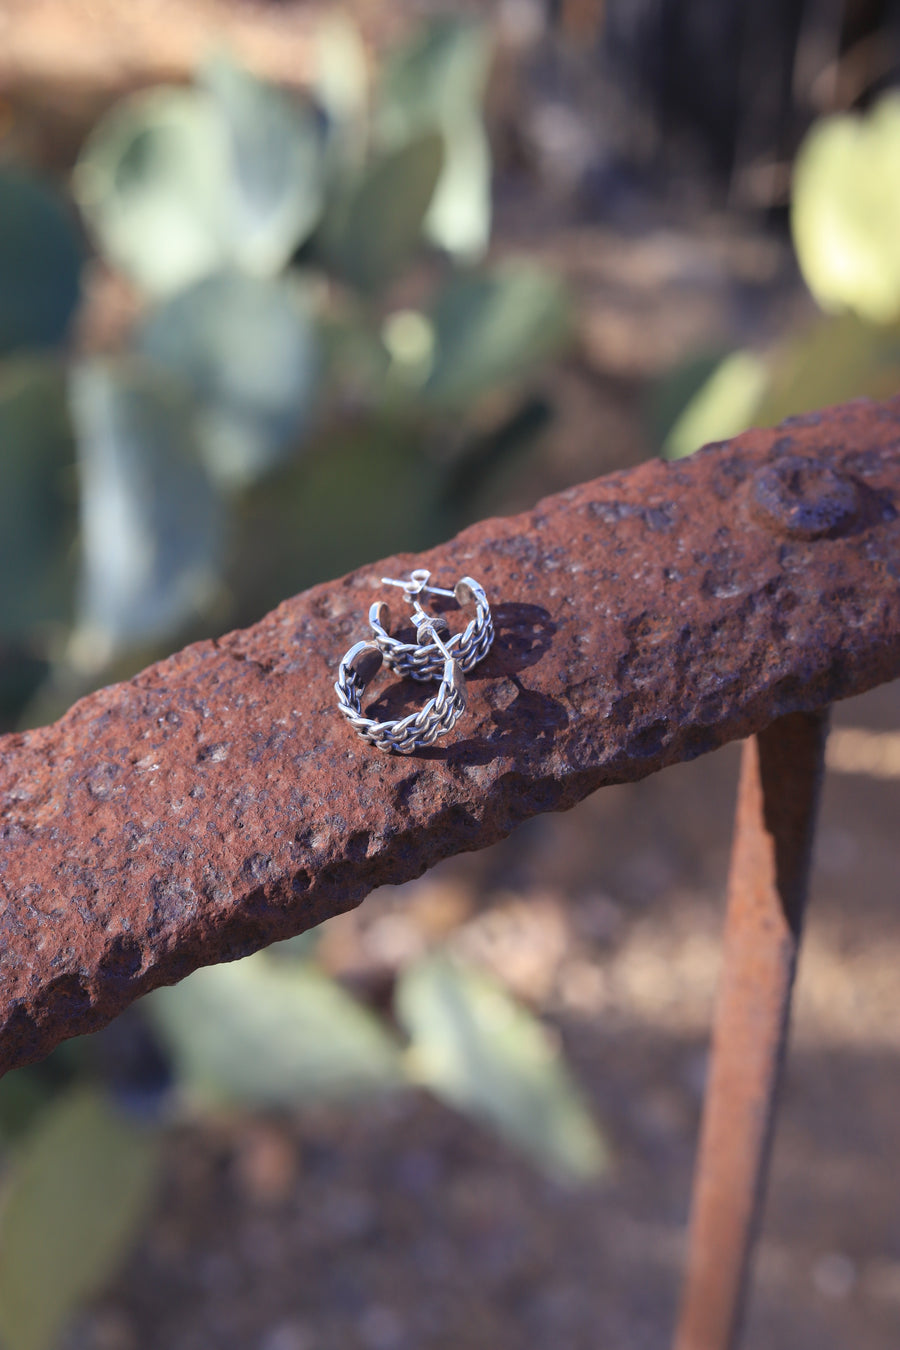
[[217, 802], [781, 772]]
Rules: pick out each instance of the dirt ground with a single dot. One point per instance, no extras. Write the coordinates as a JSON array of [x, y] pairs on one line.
[[401, 1226]]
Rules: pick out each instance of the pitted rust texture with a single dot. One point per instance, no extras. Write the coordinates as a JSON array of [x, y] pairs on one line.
[[796, 497], [218, 802]]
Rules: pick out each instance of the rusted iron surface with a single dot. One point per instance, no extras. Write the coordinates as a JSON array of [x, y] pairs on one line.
[[781, 772], [218, 802]]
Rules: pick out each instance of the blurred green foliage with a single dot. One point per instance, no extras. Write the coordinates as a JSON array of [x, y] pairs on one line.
[[846, 212], [276, 386], [150, 520], [474, 1047], [322, 369], [38, 501], [79, 1184], [845, 220], [439, 80], [268, 1032], [40, 264], [273, 1030], [249, 349]]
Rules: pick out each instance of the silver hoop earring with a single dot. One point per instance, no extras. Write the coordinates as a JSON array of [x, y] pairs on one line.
[[423, 661], [405, 734]]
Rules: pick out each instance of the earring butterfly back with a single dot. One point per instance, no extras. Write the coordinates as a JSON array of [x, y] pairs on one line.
[[422, 661]]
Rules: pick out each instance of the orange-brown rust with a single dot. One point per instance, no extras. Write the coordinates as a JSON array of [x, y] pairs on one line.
[[218, 802], [777, 798]]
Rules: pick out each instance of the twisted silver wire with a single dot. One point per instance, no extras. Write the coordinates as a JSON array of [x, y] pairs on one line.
[[405, 734], [424, 661]]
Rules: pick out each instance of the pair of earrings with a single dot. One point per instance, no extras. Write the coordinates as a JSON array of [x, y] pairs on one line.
[[435, 656]]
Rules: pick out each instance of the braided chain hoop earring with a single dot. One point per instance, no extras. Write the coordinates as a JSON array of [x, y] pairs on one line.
[[423, 661], [405, 734]]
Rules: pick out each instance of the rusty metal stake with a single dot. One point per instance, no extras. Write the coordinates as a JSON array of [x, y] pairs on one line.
[[781, 771]]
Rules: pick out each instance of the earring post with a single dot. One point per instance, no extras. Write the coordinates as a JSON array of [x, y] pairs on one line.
[[417, 584], [425, 624]]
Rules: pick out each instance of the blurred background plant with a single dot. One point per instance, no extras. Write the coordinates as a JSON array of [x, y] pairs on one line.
[[318, 367], [845, 224], [318, 354], [269, 1032], [263, 334]]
